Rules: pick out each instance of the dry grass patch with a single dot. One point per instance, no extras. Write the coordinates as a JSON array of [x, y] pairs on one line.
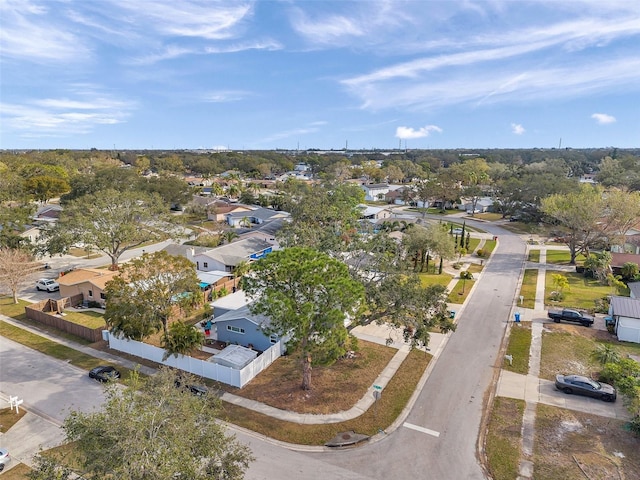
[[334, 388], [568, 349], [17, 472], [503, 438], [8, 418], [574, 446], [394, 398]]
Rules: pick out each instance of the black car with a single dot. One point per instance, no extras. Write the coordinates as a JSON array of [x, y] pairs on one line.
[[585, 386], [198, 390], [104, 373]]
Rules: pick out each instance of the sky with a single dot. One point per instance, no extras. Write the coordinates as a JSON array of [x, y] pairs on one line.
[[315, 74]]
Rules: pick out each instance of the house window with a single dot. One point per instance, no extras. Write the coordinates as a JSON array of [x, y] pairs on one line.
[[90, 293], [206, 264], [103, 296], [273, 338], [235, 329]]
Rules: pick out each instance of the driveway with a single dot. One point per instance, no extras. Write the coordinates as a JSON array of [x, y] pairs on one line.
[[539, 390]]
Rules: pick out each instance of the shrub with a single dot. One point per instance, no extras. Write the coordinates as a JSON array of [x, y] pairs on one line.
[[466, 275], [457, 265], [602, 305], [481, 253], [556, 296], [93, 304]]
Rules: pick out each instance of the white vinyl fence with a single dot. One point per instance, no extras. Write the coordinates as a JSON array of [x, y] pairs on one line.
[[231, 376]]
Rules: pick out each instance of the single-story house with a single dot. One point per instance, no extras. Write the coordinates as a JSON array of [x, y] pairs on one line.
[[227, 257], [619, 259], [625, 312], [373, 214], [219, 209], [257, 216], [375, 191], [483, 204], [48, 213], [403, 195], [241, 327], [89, 282]]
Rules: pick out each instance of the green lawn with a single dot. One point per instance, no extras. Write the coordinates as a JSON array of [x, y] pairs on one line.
[[428, 279], [518, 348], [460, 291], [581, 293], [534, 256], [562, 257], [89, 319], [13, 310], [528, 289], [489, 246]]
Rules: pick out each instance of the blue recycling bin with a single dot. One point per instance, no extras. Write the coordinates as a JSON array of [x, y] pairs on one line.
[[452, 314], [517, 316]]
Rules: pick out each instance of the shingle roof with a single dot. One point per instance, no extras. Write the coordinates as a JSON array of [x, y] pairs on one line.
[[243, 312], [95, 276]]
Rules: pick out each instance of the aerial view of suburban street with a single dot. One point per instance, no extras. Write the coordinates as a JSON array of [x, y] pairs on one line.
[[392, 239]]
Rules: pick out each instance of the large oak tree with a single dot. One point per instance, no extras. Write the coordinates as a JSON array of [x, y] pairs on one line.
[[111, 221]]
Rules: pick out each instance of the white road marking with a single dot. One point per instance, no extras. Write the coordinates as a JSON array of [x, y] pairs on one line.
[[421, 429]]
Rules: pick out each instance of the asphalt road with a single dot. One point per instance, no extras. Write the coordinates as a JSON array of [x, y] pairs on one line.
[[440, 442]]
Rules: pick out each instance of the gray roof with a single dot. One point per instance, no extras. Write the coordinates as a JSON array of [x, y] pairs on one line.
[[262, 213], [625, 307], [235, 252], [243, 312], [268, 228], [634, 288], [178, 250]]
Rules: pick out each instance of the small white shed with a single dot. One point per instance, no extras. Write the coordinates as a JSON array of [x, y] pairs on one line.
[[235, 356], [626, 313]]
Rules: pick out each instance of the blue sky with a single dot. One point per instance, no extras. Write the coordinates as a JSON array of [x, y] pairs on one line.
[[319, 74]]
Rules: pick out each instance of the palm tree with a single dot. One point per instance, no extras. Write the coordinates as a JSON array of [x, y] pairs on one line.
[[180, 339], [241, 269], [229, 235], [606, 353]]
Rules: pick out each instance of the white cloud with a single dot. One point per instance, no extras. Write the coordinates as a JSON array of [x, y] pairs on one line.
[[603, 118], [517, 128], [63, 117], [28, 33], [212, 21], [223, 96], [498, 84], [405, 133]]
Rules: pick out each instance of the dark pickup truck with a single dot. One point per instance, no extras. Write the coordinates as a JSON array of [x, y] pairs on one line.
[[569, 315]]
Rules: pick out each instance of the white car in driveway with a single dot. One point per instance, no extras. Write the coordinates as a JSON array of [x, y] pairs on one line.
[[48, 285], [5, 458]]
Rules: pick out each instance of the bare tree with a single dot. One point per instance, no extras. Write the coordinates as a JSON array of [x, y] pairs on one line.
[[16, 269]]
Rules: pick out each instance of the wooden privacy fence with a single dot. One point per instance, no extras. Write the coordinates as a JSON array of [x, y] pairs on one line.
[[45, 312]]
